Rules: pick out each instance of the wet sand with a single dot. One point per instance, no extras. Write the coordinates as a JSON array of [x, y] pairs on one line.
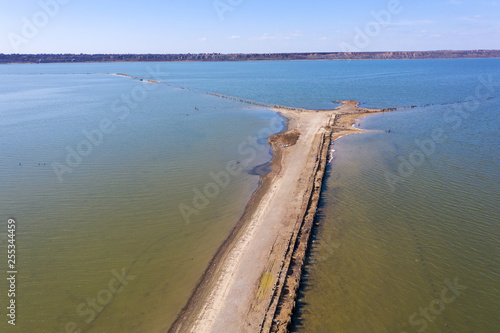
[[251, 284]]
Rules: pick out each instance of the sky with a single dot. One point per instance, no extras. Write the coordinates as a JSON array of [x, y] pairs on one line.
[[246, 26]]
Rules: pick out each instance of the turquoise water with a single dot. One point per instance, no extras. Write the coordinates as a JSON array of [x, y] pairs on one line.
[[309, 84], [387, 240]]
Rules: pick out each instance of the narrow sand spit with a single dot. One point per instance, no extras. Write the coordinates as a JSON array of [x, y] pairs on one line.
[[251, 284]]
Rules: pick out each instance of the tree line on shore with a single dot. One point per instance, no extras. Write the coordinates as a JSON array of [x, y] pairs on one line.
[[65, 58]]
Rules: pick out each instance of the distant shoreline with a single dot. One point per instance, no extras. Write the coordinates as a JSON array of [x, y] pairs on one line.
[[218, 57]]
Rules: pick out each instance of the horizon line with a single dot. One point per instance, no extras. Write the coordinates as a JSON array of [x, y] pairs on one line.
[[259, 53]]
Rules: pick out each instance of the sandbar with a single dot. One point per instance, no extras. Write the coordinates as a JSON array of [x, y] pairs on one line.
[[251, 284]]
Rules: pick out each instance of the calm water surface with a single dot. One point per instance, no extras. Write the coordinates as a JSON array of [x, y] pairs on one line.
[[385, 246], [115, 210], [383, 255]]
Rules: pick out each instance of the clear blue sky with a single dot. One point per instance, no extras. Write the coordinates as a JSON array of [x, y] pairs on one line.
[[195, 26]]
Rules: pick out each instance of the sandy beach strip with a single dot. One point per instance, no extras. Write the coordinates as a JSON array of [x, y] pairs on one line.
[[251, 284]]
